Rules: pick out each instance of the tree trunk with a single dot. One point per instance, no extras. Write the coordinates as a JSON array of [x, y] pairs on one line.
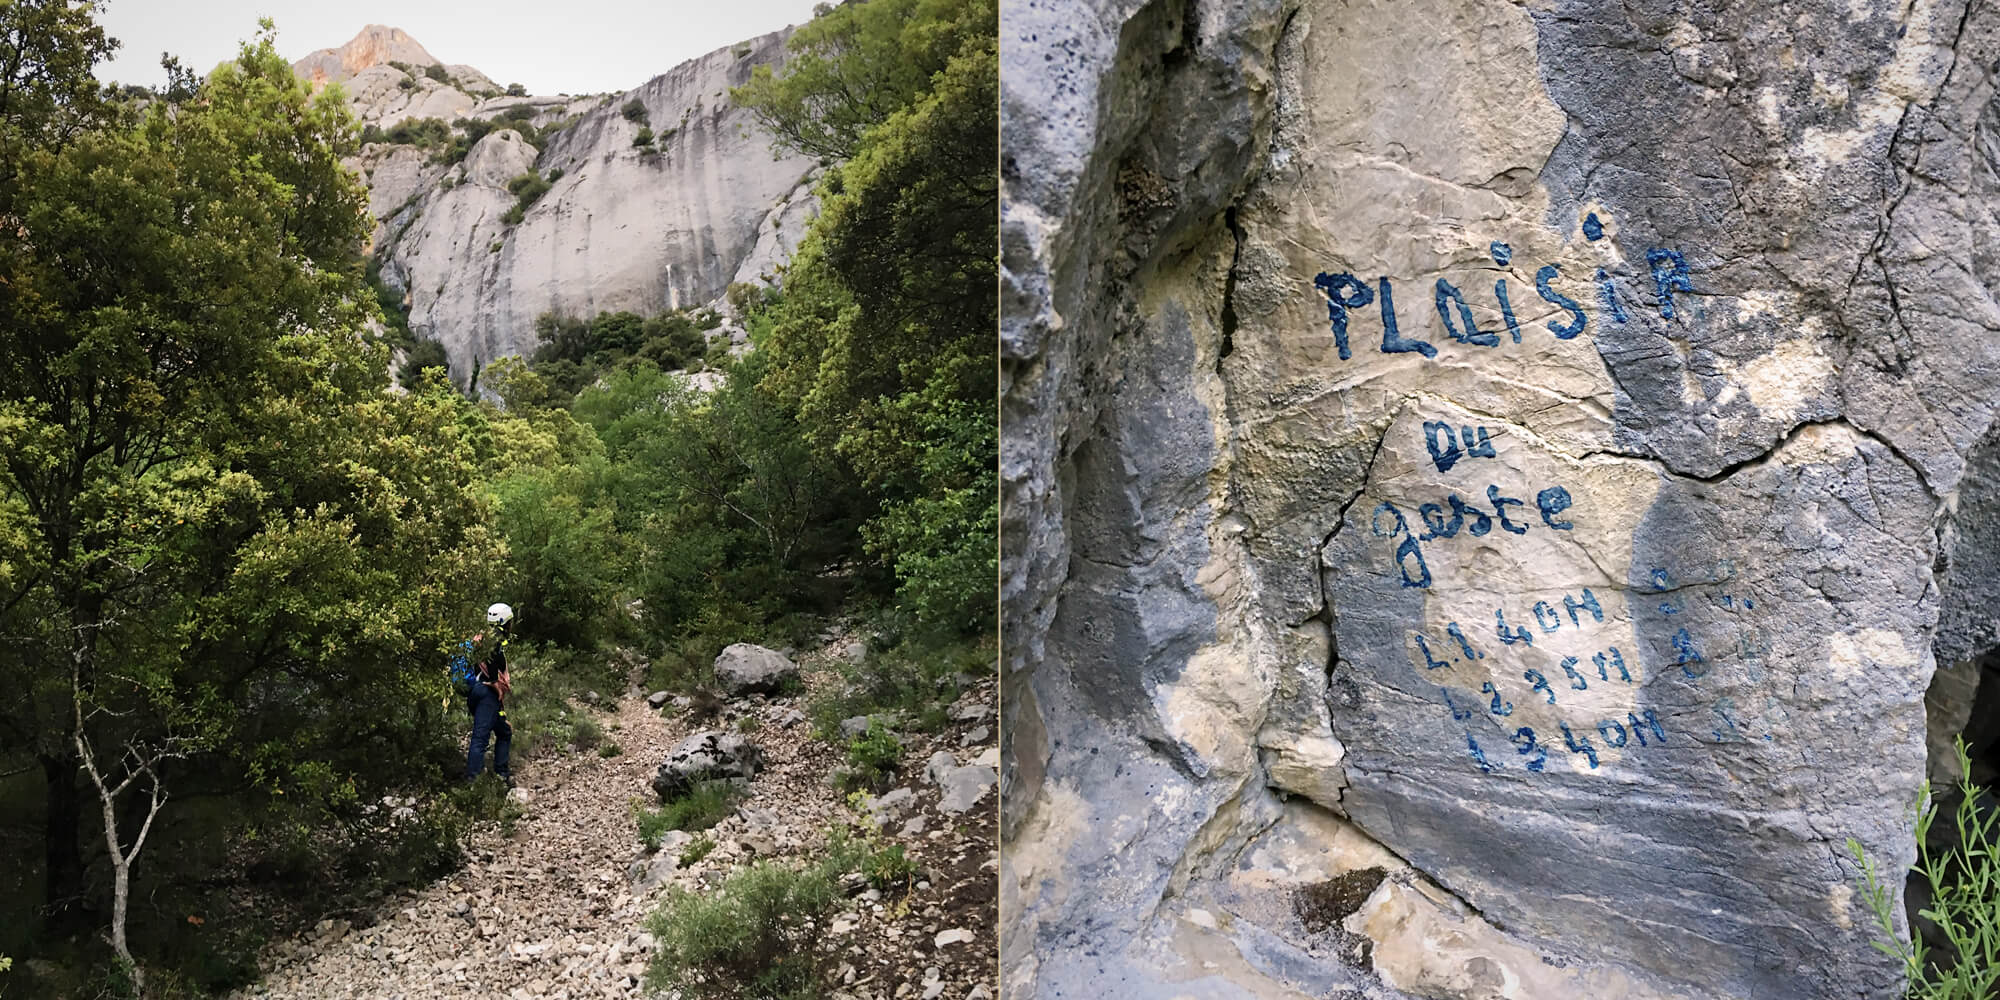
[[62, 859]]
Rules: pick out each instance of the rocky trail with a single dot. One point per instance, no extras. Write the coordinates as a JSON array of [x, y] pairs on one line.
[[556, 910]]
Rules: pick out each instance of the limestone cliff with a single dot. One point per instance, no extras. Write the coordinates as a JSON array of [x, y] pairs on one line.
[[1480, 486], [623, 226]]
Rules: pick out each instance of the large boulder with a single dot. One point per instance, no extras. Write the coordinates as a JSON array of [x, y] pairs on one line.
[[708, 755], [1524, 449], [745, 668]]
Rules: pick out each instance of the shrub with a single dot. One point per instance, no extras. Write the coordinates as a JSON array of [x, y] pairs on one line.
[[426, 354], [518, 113], [1964, 885], [913, 676], [584, 732], [696, 849], [644, 138], [875, 753], [516, 90], [758, 937], [635, 111], [436, 72], [609, 749], [704, 805], [527, 189], [652, 825], [424, 132]]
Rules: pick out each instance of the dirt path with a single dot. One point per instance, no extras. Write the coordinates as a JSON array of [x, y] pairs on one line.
[[557, 910]]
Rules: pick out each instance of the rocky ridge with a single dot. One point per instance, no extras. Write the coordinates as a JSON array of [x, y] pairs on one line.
[[668, 224]]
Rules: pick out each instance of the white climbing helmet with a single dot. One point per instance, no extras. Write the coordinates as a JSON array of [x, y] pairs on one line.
[[499, 614]]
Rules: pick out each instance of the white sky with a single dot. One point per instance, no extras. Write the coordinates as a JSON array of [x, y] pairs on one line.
[[550, 46]]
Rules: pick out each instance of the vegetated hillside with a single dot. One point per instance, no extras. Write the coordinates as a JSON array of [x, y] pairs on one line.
[[496, 207], [235, 558]]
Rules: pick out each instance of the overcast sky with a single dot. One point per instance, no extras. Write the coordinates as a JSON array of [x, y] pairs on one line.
[[551, 46]]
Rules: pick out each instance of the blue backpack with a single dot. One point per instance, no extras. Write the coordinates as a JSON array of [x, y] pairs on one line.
[[462, 670]]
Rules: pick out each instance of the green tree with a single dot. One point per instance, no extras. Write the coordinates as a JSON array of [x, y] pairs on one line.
[[219, 535], [854, 66], [729, 505], [47, 92], [884, 337]]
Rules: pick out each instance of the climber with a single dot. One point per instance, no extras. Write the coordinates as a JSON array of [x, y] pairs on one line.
[[486, 686]]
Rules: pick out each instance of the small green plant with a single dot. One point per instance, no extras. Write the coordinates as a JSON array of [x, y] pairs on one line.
[[888, 868], [704, 805], [652, 825], [609, 749], [644, 138], [758, 937], [584, 732], [748, 724], [697, 849], [1964, 884], [877, 749], [635, 111]]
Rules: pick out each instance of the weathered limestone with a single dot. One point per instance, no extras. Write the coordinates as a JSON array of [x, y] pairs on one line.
[[1531, 444], [644, 229], [747, 668]]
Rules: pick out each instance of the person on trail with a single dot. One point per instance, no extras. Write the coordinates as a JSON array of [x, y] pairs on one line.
[[486, 691]]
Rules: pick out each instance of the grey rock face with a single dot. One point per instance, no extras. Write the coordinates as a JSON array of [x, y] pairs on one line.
[[1540, 443], [746, 668], [643, 229], [708, 755]]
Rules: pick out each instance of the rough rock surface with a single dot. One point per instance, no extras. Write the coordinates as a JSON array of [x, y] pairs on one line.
[[707, 756], [747, 668], [1524, 450], [640, 229]]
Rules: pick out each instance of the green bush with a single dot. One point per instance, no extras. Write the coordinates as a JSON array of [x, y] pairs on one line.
[[704, 805], [425, 132], [875, 754], [653, 825], [516, 90], [436, 72], [913, 675], [426, 354], [1964, 884], [696, 849], [644, 138], [757, 937], [527, 189], [635, 111], [610, 749]]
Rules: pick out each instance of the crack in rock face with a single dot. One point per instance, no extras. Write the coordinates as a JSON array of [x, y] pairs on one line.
[[1587, 393]]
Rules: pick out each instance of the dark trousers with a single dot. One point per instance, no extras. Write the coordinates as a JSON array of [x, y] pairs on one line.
[[488, 719]]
